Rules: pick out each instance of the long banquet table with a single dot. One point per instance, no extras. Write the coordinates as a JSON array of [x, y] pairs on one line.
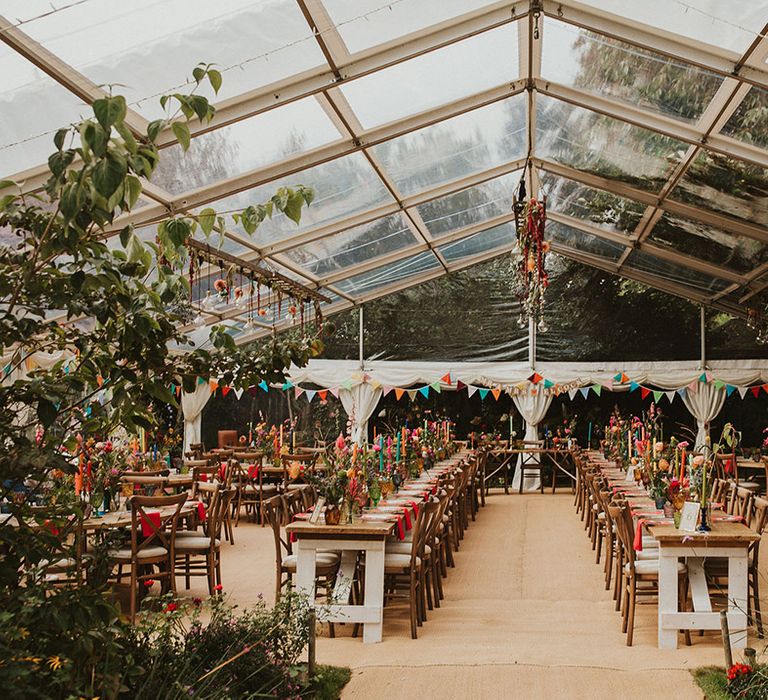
[[367, 534]]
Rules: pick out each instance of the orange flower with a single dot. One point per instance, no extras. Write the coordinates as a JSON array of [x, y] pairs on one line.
[[531, 264], [545, 246]]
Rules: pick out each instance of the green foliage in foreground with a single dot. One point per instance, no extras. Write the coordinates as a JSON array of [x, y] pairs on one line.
[[715, 685]]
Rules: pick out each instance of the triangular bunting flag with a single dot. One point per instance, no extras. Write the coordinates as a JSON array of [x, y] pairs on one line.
[[375, 383], [335, 391], [424, 391], [399, 393], [288, 385], [572, 394], [386, 390], [178, 391], [597, 389], [765, 388], [584, 391], [681, 391], [694, 386], [755, 391], [608, 384], [742, 391], [347, 385], [238, 393], [310, 394], [729, 389], [323, 394], [252, 390], [710, 376], [446, 378], [213, 384], [172, 388], [436, 387], [619, 377], [670, 396], [299, 391], [719, 384], [535, 378], [657, 396], [460, 385], [225, 390], [200, 381], [633, 386], [644, 392], [548, 384], [412, 394], [496, 393], [263, 386], [703, 378], [483, 393], [471, 390]]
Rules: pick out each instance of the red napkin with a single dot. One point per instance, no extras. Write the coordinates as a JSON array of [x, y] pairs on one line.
[[201, 511], [253, 471], [146, 523], [203, 477], [54, 530], [222, 469], [728, 466], [407, 516], [415, 507], [401, 529], [639, 535]]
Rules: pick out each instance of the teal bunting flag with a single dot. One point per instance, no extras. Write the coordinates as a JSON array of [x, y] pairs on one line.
[[548, 384], [633, 386], [287, 385], [200, 381], [483, 393], [263, 385], [729, 389], [424, 391], [703, 378]]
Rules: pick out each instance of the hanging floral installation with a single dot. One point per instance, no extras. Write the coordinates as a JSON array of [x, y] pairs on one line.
[[252, 288], [530, 256]]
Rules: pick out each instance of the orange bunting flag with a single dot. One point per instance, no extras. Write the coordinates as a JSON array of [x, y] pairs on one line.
[[399, 393], [178, 390], [213, 384], [446, 379], [225, 390], [496, 393], [765, 388], [535, 378], [323, 394], [100, 380]]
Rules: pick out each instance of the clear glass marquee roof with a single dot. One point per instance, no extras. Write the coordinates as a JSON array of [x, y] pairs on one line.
[[644, 123]]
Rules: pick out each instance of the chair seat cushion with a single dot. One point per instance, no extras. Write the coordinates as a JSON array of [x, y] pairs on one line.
[[649, 553], [293, 487], [146, 553], [651, 566], [404, 548], [650, 542], [323, 560], [186, 544], [266, 488], [398, 563]]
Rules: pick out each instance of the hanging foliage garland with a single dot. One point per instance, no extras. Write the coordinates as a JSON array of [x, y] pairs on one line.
[[530, 258]]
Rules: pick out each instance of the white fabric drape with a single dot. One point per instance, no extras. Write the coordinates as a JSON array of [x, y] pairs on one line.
[[192, 406], [533, 408], [704, 405], [360, 402]]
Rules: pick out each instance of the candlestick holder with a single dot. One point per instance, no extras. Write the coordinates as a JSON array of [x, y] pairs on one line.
[[704, 522]]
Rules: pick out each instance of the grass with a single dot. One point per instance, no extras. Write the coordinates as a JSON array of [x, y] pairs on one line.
[[328, 682], [712, 681]]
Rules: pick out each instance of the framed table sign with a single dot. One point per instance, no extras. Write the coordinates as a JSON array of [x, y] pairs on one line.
[[689, 516], [317, 510]]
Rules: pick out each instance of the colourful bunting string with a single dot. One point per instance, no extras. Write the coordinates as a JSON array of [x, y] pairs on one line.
[[424, 391], [399, 394], [264, 386], [496, 393], [483, 393]]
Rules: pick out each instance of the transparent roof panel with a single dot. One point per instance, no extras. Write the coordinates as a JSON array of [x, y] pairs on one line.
[[484, 61], [674, 272], [496, 237], [455, 148], [749, 122], [366, 23], [32, 107], [598, 207], [601, 65], [151, 46], [727, 186], [342, 187], [724, 24], [584, 242], [470, 206], [698, 240], [354, 246], [604, 146], [246, 145], [388, 274]]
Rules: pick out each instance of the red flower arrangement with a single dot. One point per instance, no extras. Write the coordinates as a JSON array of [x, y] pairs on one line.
[[738, 670]]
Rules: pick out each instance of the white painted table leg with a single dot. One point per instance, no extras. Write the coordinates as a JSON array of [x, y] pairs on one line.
[[374, 590], [667, 596], [344, 577], [699, 588], [305, 569], [737, 600]]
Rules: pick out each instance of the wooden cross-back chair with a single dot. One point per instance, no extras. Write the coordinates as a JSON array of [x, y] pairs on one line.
[[152, 544]]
